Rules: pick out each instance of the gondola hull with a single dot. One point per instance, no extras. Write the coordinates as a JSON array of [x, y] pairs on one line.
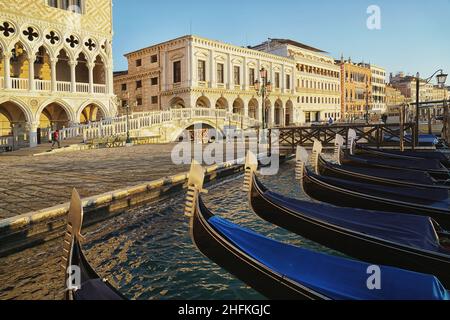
[[358, 174], [346, 241], [214, 246], [338, 196], [92, 288], [431, 155], [439, 173]]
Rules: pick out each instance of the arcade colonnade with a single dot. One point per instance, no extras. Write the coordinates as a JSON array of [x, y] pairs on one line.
[[279, 110]]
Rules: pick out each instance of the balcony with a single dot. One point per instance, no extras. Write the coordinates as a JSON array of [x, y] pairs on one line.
[[22, 84]]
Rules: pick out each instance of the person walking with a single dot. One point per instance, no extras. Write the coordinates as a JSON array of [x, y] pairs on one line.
[[55, 139]]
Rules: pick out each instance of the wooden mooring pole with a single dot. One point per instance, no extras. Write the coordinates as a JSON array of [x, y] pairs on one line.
[[402, 127]]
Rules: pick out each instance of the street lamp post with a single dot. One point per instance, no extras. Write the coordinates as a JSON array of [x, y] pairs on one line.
[[263, 89], [441, 79], [367, 102], [127, 108]]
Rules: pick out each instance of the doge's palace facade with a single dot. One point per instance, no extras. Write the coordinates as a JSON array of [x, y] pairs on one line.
[[55, 67]]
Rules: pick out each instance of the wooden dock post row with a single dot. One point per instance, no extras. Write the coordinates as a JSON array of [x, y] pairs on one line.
[[370, 134]]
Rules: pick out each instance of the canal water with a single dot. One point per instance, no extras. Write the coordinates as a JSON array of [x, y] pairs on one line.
[[147, 253]]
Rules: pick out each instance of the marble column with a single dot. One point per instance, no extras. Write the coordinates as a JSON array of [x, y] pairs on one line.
[[73, 72], [31, 83], [53, 63], [91, 66], [7, 69]]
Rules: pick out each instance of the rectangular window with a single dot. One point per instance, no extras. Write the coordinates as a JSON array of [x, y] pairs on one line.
[[201, 70], [237, 75], [251, 76], [154, 99], [277, 80], [53, 3], [220, 74], [138, 84], [288, 81], [154, 81], [154, 58], [139, 101], [124, 87], [308, 117], [177, 72], [138, 62]]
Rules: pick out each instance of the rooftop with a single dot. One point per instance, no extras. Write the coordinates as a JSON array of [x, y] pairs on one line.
[[289, 42]]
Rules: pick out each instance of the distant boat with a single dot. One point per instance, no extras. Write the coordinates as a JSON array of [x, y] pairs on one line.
[[86, 284], [281, 271], [406, 241]]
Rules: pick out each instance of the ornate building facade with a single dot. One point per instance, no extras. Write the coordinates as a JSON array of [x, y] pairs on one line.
[[394, 99], [378, 105], [196, 72], [317, 79], [56, 65], [356, 83]]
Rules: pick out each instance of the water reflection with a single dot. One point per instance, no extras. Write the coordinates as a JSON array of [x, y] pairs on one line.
[[147, 251]]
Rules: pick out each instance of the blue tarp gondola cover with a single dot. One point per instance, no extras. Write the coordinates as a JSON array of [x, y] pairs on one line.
[[424, 196], [334, 277], [409, 230]]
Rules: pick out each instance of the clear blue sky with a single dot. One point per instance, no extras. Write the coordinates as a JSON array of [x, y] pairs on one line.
[[414, 36]]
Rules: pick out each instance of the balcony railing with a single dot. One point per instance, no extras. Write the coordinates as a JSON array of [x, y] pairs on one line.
[[46, 86], [100, 88], [82, 87], [63, 86], [43, 85], [19, 84]]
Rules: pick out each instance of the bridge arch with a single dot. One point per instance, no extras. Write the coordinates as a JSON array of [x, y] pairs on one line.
[[206, 124]]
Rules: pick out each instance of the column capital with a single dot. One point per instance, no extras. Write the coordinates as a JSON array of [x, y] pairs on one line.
[[32, 57], [91, 65], [73, 63], [54, 60], [7, 55]]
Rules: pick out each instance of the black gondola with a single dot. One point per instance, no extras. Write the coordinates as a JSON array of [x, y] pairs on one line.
[[422, 154], [81, 280], [406, 241], [282, 271], [432, 166], [352, 194], [383, 176]]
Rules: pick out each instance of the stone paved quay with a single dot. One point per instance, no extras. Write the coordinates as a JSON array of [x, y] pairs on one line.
[[34, 183]]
